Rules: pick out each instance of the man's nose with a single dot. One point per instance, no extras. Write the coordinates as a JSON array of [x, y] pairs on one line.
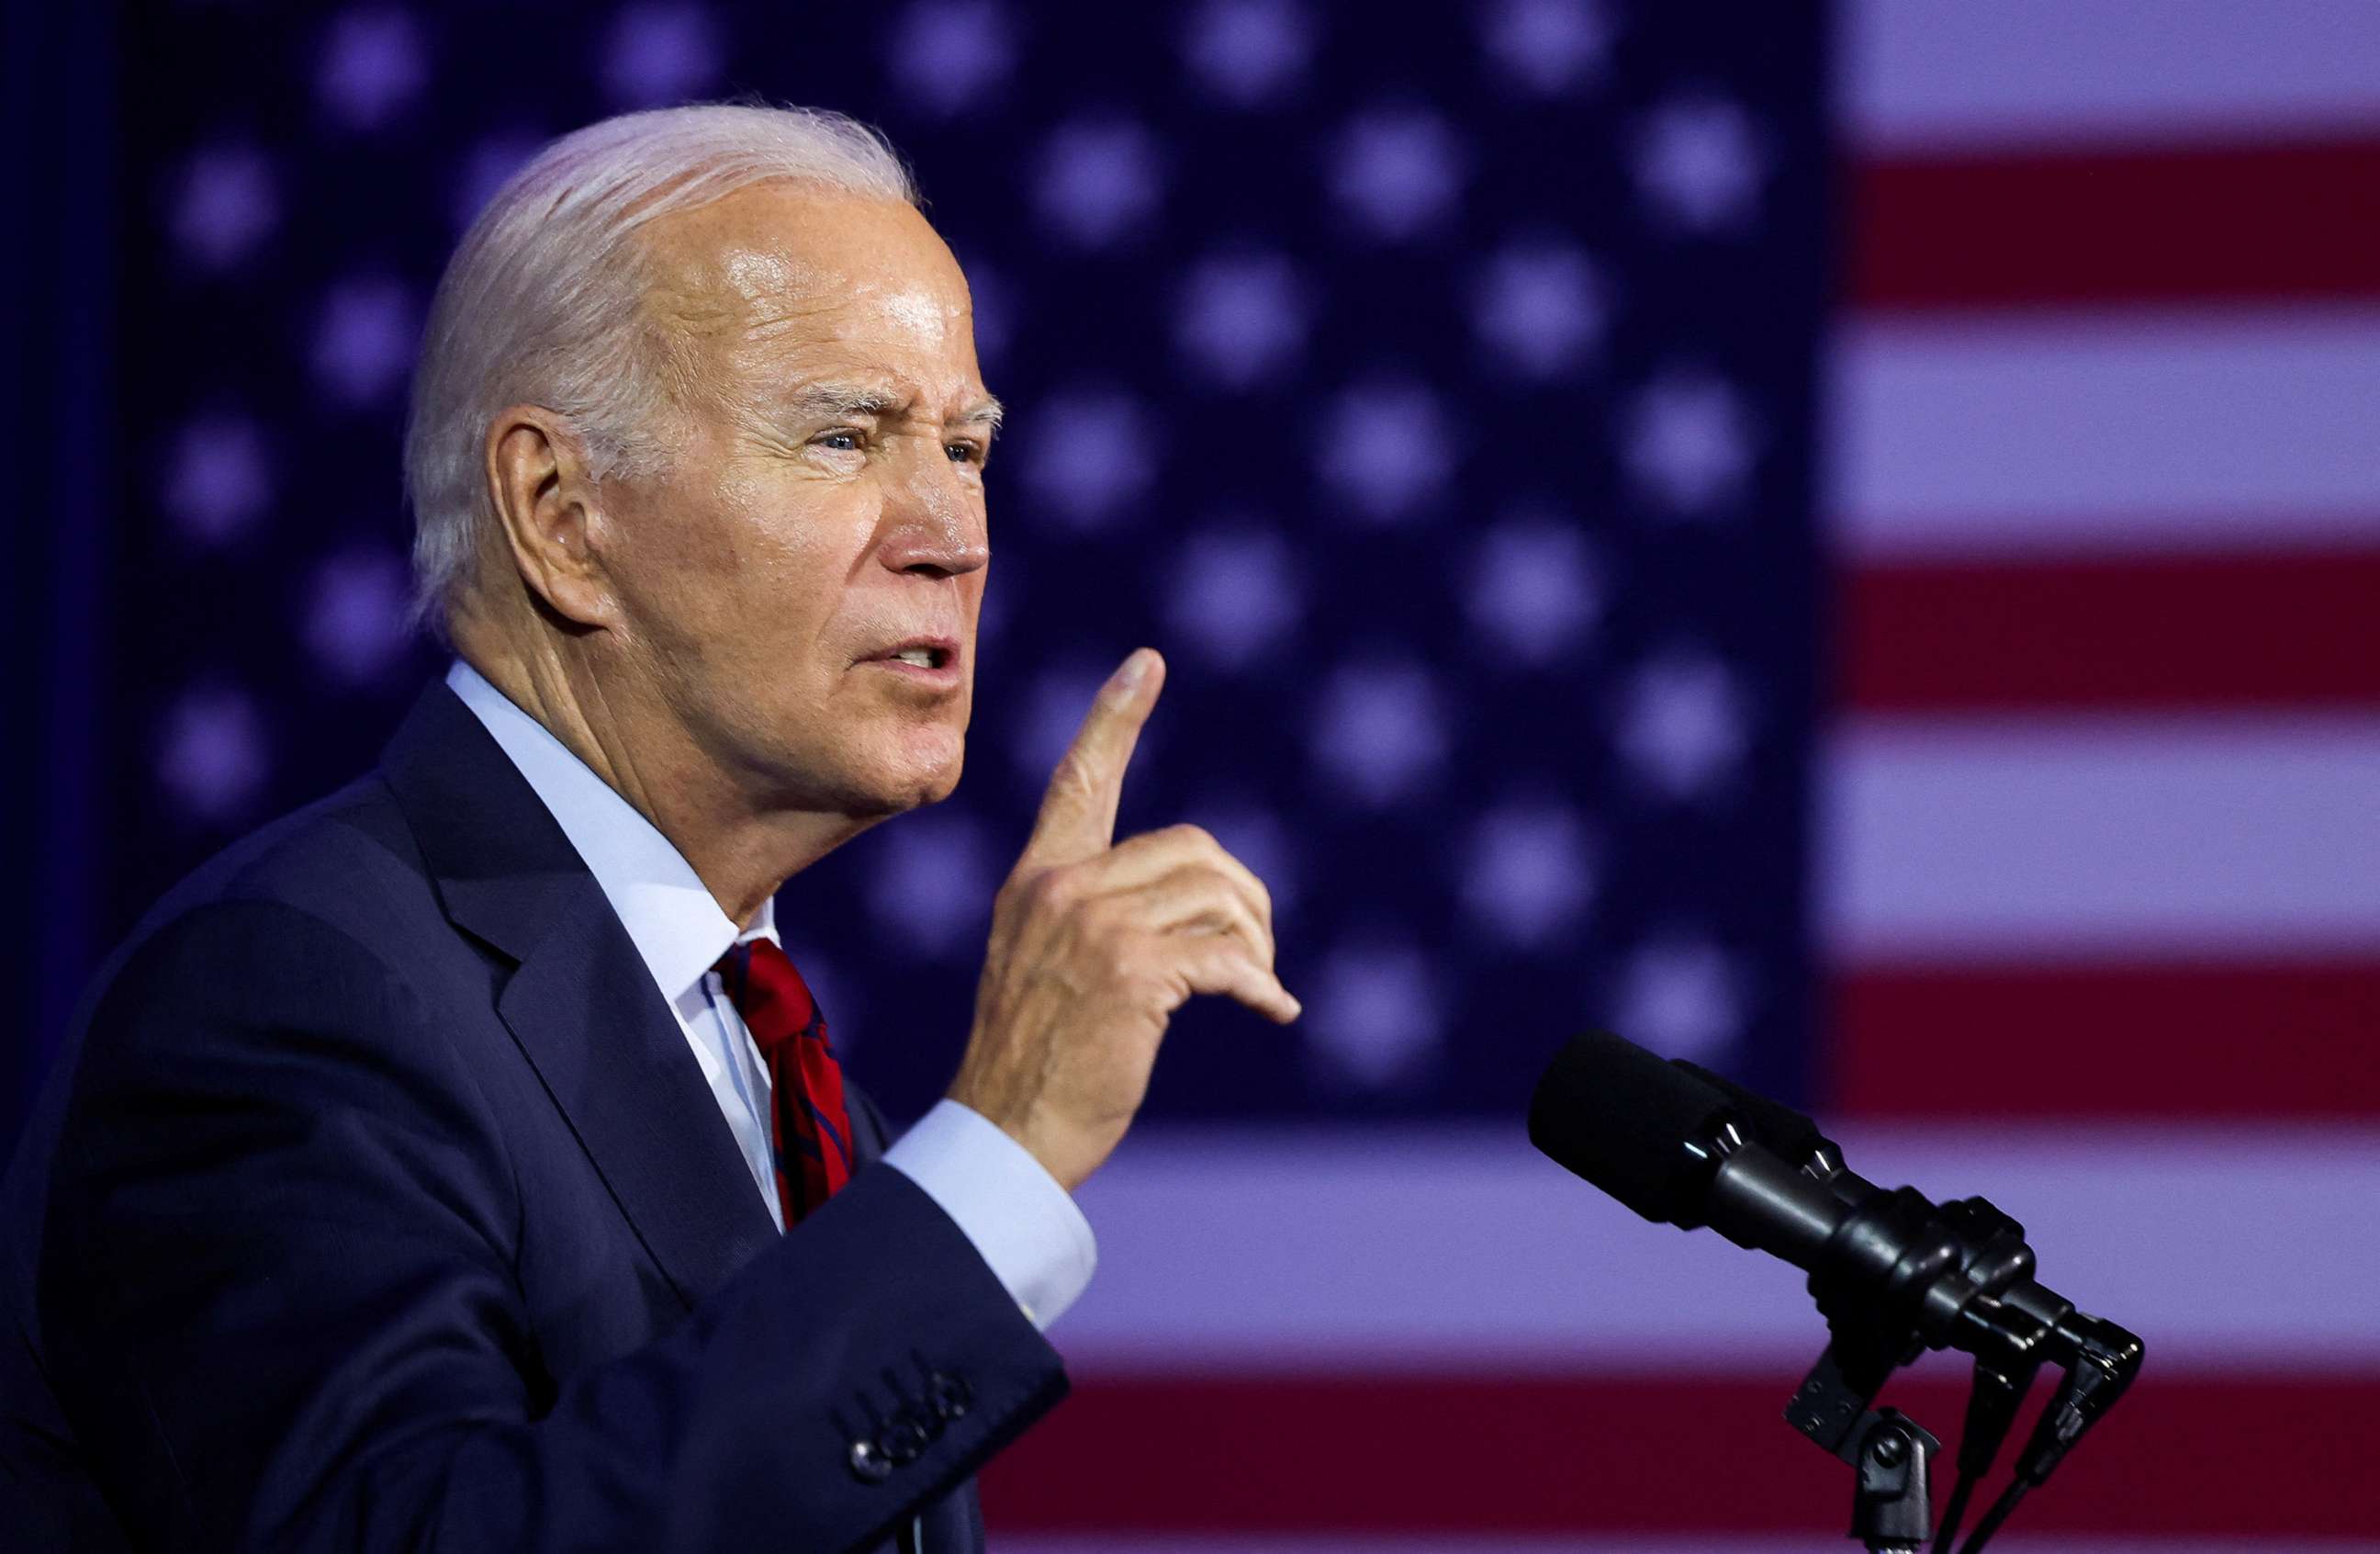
[[936, 530]]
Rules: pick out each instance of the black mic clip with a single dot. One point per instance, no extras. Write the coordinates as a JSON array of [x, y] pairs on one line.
[[1891, 1454]]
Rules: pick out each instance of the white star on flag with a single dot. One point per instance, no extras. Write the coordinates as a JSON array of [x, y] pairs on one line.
[[1376, 1016], [1681, 725], [1235, 594], [213, 758], [1242, 320], [1548, 47], [1100, 181], [1384, 449], [947, 56], [1529, 873], [1689, 443], [1398, 172], [1084, 457], [1700, 164], [1539, 309], [1683, 999], [1379, 733], [1248, 52]]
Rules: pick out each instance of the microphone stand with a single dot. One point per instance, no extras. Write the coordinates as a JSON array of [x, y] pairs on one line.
[[1889, 1453], [1896, 1277]]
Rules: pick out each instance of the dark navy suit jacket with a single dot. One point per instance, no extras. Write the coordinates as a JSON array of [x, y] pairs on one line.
[[378, 1204]]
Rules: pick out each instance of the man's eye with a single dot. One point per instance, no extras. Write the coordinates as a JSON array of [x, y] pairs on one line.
[[842, 442], [964, 453]]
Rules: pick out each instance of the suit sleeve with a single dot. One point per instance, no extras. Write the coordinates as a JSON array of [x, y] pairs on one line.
[[279, 1296]]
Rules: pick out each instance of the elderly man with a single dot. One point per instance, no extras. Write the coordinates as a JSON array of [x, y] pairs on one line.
[[461, 1163]]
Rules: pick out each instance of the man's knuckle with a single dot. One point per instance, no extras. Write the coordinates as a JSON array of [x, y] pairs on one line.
[[1063, 888], [1043, 892], [1193, 834], [1103, 917], [1203, 956], [1222, 888]]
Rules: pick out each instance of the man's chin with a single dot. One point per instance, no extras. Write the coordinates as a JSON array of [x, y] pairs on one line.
[[896, 772], [912, 784], [932, 791]]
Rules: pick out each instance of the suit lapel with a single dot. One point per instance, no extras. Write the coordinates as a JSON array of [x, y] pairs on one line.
[[579, 1002]]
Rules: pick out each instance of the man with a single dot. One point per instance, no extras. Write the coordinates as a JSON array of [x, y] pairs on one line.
[[419, 1178]]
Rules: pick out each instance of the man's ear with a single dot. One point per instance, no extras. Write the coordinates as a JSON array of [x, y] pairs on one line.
[[548, 510]]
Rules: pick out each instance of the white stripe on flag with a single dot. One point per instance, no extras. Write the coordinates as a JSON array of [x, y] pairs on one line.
[[1394, 1249], [2089, 432], [1921, 74], [1973, 838]]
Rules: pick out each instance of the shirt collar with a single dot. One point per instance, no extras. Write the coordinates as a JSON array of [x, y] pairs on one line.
[[671, 916]]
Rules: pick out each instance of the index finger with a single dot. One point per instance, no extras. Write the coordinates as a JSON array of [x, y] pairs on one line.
[[1078, 812]]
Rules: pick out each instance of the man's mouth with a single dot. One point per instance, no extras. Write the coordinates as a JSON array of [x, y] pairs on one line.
[[936, 657]]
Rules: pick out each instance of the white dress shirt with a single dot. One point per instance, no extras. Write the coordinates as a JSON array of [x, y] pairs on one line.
[[1024, 1225]]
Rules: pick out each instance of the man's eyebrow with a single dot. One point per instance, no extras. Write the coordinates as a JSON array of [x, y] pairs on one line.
[[842, 399], [830, 400]]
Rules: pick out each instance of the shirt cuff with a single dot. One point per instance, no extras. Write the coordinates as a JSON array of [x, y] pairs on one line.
[[1022, 1222]]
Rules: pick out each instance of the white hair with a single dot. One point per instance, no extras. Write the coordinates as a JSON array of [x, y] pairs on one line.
[[540, 303]]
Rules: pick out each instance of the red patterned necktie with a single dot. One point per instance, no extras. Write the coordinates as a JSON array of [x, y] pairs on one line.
[[810, 1126]]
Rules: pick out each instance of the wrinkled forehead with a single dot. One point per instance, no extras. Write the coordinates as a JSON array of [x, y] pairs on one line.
[[780, 271]]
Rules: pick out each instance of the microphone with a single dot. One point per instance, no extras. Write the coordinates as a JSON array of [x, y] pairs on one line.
[[2099, 1357], [1890, 1271], [1679, 1151], [1783, 1131]]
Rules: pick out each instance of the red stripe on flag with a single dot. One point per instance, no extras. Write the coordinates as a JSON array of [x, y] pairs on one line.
[[2298, 629], [2256, 1457], [2234, 1041], [2268, 222]]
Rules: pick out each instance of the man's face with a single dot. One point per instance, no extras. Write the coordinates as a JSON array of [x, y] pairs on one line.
[[824, 509]]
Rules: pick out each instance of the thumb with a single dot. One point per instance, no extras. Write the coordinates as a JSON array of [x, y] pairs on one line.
[[1078, 812]]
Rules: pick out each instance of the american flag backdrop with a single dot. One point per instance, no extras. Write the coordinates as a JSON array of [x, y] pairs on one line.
[[1842, 542]]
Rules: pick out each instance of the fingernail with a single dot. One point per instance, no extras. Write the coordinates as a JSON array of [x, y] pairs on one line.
[[1134, 670]]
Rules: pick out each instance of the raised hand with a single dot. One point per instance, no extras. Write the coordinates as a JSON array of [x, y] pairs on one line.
[[1094, 943]]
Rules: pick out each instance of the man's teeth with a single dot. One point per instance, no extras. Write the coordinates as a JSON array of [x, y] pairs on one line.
[[922, 657]]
